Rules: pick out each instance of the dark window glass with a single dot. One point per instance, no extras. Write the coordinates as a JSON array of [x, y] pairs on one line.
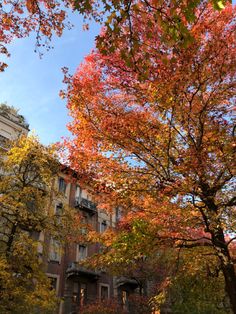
[[53, 283], [104, 293], [103, 226], [62, 185]]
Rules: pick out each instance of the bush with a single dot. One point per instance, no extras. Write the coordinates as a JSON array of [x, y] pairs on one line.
[[103, 307]]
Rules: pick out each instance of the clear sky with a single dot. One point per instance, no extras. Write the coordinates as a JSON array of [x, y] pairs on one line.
[[32, 84]]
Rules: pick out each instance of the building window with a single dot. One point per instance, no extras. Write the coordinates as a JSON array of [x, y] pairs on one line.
[[77, 191], [82, 294], [31, 205], [61, 185], [59, 209], [118, 214], [124, 299], [81, 252], [54, 282], [84, 223], [103, 226], [75, 292], [104, 292], [58, 212], [3, 141], [55, 250], [40, 242]]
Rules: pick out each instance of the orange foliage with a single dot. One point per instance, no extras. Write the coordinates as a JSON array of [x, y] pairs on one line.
[[157, 130]]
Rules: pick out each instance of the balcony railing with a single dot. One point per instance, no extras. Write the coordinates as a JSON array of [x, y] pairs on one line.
[[74, 269], [86, 205]]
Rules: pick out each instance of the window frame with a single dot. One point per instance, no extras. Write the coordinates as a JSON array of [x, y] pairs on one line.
[[124, 299], [62, 185], [78, 245], [82, 287], [52, 252], [57, 277], [104, 285], [101, 226]]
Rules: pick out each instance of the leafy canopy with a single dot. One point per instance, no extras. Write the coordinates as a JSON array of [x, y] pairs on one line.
[[153, 131], [48, 17], [27, 191]]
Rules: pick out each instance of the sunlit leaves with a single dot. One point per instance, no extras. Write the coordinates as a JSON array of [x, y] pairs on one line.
[[48, 17], [20, 18], [26, 186], [152, 132]]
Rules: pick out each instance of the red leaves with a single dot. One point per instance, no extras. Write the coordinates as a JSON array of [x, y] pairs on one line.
[[156, 141], [156, 127], [20, 18]]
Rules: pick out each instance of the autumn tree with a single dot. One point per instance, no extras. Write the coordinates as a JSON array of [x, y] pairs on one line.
[[48, 17], [197, 292], [168, 278], [28, 170], [154, 133], [20, 18]]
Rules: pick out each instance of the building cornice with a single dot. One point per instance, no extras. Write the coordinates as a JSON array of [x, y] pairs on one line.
[[13, 124]]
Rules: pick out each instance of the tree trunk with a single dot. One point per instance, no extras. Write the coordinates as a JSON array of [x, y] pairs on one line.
[[222, 250], [230, 284], [227, 266]]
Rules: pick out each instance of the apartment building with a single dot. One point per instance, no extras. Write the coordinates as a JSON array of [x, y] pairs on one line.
[[11, 124], [75, 285]]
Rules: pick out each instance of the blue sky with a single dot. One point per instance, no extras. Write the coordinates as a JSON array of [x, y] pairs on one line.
[[32, 84]]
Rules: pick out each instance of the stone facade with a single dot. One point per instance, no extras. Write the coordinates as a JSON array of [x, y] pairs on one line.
[[11, 124]]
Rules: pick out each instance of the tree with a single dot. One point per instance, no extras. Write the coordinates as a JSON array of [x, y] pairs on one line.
[[26, 209], [102, 307], [20, 18], [155, 135], [46, 17], [168, 278], [197, 293]]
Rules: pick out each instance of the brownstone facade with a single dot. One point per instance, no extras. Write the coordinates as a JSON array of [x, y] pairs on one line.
[[76, 285]]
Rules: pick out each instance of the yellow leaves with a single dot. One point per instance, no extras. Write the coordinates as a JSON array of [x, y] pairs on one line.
[[27, 170], [219, 4], [28, 155], [158, 300], [24, 285]]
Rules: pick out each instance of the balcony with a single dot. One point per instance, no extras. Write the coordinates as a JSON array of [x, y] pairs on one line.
[[127, 282], [86, 205], [75, 270]]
